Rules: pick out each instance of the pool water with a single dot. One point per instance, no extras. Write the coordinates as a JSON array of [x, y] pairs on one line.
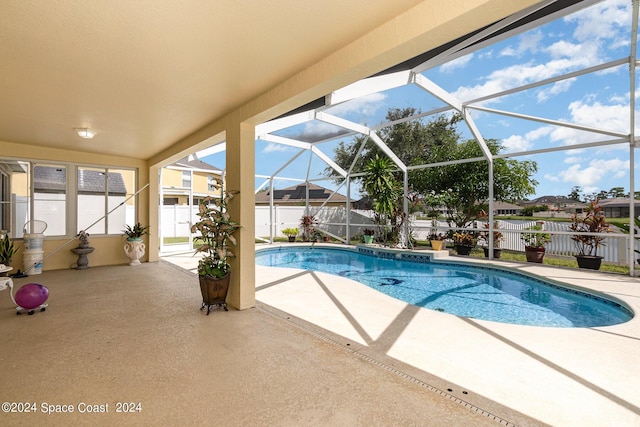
[[467, 291]]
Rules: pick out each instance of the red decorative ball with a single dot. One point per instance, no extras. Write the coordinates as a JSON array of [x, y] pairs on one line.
[[31, 295]]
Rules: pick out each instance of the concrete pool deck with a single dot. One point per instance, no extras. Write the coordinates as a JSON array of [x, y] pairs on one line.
[[555, 376]]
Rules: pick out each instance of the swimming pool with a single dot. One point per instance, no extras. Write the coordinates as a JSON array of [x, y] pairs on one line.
[[468, 291]]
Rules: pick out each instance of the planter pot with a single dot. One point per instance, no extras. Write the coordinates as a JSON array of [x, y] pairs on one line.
[[292, 239], [134, 250], [368, 239], [463, 249], [589, 262], [214, 291], [437, 245], [496, 252], [534, 254]]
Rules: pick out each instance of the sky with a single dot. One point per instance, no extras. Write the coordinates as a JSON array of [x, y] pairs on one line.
[[600, 100]]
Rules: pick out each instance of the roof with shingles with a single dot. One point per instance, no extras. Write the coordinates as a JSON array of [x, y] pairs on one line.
[[50, 179], [298, 193]]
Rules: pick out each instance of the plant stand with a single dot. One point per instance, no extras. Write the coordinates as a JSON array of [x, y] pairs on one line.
[[214, 292]]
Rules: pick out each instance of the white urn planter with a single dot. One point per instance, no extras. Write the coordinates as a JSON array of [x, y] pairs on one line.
[[134, 250]]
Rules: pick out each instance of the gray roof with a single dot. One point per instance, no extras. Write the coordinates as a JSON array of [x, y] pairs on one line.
[[195, 164], [49, 179], [298, 193]]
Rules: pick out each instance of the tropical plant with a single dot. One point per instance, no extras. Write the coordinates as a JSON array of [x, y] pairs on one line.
[[290, 232], [464, 239], [216, 233], [537, 239], [368, 232], [592, 222], [498, 237], [308, 224], [135, 232], [386, 195], [7, 250]]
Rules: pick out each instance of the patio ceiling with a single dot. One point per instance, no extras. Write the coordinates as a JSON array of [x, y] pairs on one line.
[[145, 74]]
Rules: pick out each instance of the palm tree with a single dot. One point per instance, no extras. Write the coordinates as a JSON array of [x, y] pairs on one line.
[[383, 189]]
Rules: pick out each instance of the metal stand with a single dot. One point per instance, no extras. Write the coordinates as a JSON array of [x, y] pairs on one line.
[[210, 306]]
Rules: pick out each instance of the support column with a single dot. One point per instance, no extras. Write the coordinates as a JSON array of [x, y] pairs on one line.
[[152, 207], [241, 177]]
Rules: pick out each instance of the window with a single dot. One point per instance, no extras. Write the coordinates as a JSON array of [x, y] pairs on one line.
[[67, 197], [186, 179], [101, 200], [50, 198]]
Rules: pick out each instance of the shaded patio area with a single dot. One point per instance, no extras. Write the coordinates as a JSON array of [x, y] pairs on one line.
[[136, 335]]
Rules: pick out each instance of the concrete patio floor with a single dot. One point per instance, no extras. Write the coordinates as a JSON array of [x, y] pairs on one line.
[[317, 350], [555, 376], [133, 337]]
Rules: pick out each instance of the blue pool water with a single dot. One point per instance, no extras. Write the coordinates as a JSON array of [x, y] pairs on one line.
[[476, 292]]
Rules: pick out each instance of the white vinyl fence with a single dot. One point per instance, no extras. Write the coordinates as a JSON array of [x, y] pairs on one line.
[[176, 222], [615, 249]]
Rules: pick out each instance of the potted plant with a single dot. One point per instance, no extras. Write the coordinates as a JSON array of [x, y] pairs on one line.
[[7, 251], [134, 248], [368, 234], [464, 242], [498, 238], [291, 233], [437, 240], [216, 230], [308, 224], [587, 245], [534, 243]]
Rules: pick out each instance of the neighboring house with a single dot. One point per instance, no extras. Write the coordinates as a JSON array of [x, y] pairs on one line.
[[504, 208], [618, 207], [296, 196], [557, 204], [189, 177]]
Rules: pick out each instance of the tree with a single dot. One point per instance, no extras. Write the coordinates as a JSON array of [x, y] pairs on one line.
[[616, 192], [411, 141], [576, 193], [385, 194], [467, 184], [464, 184]]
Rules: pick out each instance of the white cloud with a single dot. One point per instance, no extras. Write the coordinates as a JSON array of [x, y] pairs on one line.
[[273, 148], [596, 115], [530, 41], [551, 178], [591, 175], [555, 89], [516, 143], [456, 63], [598, 29], [574, 159], [604, 20], [508, 51]]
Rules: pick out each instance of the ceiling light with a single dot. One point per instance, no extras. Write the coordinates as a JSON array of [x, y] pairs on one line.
[[85, 133]]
